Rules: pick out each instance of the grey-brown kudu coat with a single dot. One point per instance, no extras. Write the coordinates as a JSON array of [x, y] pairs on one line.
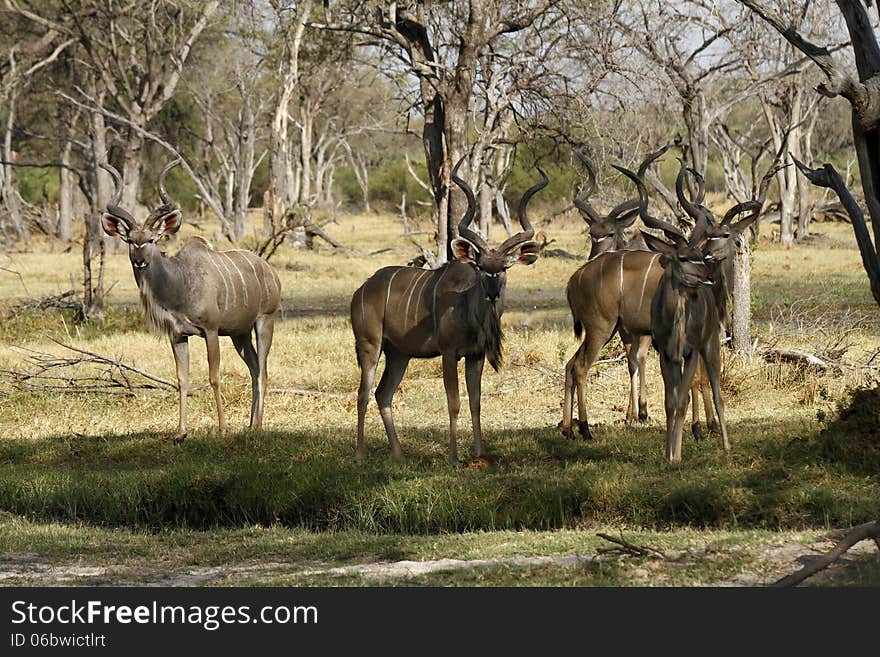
[[200, 291], [453, 311]]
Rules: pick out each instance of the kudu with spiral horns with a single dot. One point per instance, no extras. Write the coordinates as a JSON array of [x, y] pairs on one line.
[[199, 291], [453, 311]]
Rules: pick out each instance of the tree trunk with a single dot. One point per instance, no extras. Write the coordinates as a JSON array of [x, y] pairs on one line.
[[94, 241], [486, 197], [131, 170], [10, 189], [741, 315], [65, 196]]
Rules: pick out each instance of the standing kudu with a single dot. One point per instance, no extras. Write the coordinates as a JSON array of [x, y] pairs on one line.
[[199, 291], [685, 329], [453, 312], [612, 293]]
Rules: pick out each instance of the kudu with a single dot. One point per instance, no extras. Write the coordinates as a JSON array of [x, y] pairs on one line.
[[199, 291], [612, 293], [608, 234], [453, 311], [691, 298]]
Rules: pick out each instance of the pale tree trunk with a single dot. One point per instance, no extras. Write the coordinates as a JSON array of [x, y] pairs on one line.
[[305, 155], [65, 195], [281, 167], [741, 315], [94, 241], [131, 172], [486, 197], [10, 189]]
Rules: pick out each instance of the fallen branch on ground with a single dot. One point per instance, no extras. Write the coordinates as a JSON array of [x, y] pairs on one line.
[[65, 301], [855, 535], [623, 546], [799, 357], [49, 374]]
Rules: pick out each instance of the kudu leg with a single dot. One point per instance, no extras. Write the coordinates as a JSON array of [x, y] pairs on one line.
[[696, 428], [180, 347], [453, 403], [644, 345], [245, 348], [568, 398], [212, 341], [681, 379], [368, 360], [712, 360], [473, 376], [586, 356], [395, 368], [264, 330], [632, 364]]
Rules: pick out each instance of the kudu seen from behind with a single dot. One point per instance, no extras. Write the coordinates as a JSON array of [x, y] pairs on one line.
[[199, 291], [453, 311]]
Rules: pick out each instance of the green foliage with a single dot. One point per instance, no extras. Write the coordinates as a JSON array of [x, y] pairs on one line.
[[38, 185], [391, 178]]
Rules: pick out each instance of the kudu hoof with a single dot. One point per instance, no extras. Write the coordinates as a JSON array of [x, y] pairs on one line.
[[697, 431], [713, 428], [584, 430], [643, 415], [565, 431], [178, 440]]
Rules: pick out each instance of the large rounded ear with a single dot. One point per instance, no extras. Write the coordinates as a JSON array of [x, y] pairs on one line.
[[167, 222], [657, 245], [464, 250], [628, 218], [114, 225], [527, 252], [740, 226]]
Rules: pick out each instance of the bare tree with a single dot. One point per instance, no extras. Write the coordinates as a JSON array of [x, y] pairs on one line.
[[441, 45], [862, 90]]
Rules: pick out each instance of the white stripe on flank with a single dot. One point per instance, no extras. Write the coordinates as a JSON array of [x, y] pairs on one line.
[[424, 283], [231, 285], [645, 281], [388, 291], [602, 259], [622, 254], [363, 293], [240, 275], [222, 278], [434, 296], [412, 289], [256, 278]]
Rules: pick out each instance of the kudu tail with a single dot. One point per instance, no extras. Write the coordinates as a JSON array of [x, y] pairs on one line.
[[578, 328]]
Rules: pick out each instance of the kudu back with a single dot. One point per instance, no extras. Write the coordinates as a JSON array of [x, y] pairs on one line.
[[453, 312], [199, 291]]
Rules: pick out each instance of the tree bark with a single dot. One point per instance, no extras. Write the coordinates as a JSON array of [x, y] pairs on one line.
[[741, 319]]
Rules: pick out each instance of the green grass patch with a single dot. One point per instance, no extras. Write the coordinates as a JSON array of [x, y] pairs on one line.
[[541, 481]]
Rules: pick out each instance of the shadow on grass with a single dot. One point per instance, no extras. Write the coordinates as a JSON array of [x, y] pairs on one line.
[[537, 480]]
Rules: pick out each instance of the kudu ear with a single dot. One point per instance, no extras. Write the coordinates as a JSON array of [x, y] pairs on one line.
[[167, 222], [658, 245], [740, 226], [464, 250], [526, 253], [114, 225], [628, 218]]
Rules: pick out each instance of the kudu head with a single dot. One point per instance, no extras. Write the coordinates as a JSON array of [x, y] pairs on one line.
[[141, 238], [491, 264], [683, 258], [606, 231]]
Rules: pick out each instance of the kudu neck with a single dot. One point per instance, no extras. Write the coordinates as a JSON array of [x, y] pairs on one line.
[[164, 277]]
